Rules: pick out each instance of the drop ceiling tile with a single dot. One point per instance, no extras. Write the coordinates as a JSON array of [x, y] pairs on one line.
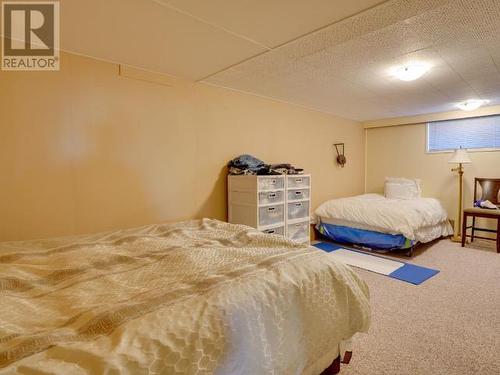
[[479, 20], [494, 51], [370, 21], [270, 62], [486, 82], [471, 63], [442, 74], [272, 23], [458, 92]]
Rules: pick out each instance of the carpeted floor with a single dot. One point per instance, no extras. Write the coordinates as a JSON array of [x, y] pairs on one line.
[[448, 325]]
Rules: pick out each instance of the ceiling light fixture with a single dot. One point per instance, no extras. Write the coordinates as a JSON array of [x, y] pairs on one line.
[[411, 72], [471, 104]]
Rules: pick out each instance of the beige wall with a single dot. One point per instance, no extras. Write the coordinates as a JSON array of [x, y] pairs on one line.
[[85, 150], [400, 151]]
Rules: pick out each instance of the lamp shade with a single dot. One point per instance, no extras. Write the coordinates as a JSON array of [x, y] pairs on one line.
[[460, 157]]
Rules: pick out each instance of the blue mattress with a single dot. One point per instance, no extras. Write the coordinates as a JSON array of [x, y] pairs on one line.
[[367, 238]]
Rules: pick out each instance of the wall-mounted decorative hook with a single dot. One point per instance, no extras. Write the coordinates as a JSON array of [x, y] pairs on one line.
[[341, 159]]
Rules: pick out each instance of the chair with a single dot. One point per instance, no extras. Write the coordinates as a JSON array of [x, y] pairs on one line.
[[490, 188]]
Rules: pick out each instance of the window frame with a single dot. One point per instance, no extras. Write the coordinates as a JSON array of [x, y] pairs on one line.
[[485, 149]]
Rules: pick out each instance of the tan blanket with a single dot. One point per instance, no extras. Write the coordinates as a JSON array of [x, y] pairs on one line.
[[188, 298]]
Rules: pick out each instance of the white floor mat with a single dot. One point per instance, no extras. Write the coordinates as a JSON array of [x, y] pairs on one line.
[[367, 262]]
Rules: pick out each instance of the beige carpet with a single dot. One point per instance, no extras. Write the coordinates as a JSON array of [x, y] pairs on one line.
[[449, 325]]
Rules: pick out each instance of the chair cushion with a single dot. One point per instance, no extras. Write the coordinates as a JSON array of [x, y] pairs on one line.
[[477, 210]]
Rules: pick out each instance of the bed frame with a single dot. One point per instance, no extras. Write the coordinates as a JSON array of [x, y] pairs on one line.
[[317, 236], [408, 253], [334, 368]]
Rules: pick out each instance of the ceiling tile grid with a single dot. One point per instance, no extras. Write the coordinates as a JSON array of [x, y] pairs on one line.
[[148, 35], [333, 56], [271, 22], [345, 69]]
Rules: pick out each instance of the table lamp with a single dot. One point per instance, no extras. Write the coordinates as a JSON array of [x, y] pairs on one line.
[[460, 157]]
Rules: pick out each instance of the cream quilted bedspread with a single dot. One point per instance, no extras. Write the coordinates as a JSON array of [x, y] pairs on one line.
[[188, 298]]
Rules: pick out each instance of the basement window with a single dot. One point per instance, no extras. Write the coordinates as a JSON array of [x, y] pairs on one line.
[[476, 133]]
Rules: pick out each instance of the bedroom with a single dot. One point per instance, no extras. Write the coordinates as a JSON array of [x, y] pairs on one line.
[[135, 124]]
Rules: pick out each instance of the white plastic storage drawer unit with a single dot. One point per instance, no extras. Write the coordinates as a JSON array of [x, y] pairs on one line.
[[298, 207], [272, 204]]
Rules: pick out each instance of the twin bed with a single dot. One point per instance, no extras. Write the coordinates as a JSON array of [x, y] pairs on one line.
[[376, 222], [200, 297]]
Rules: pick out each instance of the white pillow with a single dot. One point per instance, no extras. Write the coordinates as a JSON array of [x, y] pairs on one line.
[[402, 188]]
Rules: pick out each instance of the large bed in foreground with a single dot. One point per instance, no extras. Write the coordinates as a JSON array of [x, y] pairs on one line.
[[199, 297], [377, 222]]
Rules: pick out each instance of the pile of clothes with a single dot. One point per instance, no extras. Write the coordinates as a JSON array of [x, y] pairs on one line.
[[250, 165], [485, 204]]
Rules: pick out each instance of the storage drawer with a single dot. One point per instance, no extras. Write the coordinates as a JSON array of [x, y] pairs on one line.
[[277, 230], [298, 182], [298, 230], [270, 197], [298, 210], [271, 183], [298, 194], [270, 215]]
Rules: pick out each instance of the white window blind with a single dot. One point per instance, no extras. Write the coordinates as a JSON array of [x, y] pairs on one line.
[[471, 133]]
